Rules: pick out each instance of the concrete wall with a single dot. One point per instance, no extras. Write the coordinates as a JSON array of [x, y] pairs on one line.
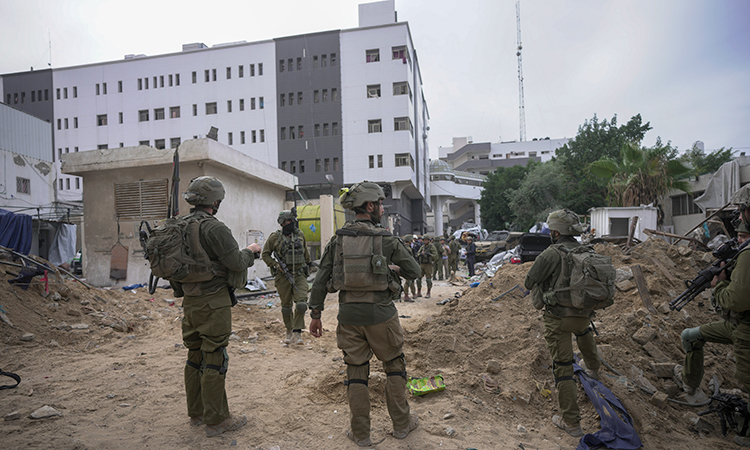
[[601, 219], [255, 195]]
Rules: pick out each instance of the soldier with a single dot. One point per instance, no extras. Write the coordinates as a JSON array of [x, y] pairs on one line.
[[426, 257], [437, 270], [409, 284], [471, 252], [455, 247], [286, 254], [363, 262], [561, 321], [732, 303], [207, 319], [444, 266]]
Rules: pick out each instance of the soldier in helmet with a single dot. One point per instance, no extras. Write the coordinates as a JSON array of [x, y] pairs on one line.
[[287, 248], [409, 284], [732, 303], [207, 314], [426, 256], [561, 322], [363, 263]]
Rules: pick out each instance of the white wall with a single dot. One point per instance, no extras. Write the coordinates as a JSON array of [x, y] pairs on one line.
[[41, 176], [647, 216]]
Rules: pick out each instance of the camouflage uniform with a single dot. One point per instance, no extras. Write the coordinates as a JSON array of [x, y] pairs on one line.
[[454, 254], [426, 257]]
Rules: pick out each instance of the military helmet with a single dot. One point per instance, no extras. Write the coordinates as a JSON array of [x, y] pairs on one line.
[[408, 238], [286, 215], [565, 222], [204, 190], [360, 193], [742, 228]]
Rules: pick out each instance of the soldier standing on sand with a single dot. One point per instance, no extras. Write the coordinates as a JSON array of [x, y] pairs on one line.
[[363, 262], [426, 258]]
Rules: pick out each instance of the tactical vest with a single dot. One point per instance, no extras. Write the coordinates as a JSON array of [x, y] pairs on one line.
[[292, 249], [424, 256], [359, 267], [734, 317]]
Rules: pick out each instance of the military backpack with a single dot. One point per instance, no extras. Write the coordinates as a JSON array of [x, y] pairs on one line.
[[587, 279], [175, 253]]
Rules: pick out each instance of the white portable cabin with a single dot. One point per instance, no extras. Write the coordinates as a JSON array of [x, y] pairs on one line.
[[617, 221]]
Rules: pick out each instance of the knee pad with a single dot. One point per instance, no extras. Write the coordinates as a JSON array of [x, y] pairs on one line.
[[395, 367], [301, 307], [219, 356], [357, 374], [286, 311], [689, 337]]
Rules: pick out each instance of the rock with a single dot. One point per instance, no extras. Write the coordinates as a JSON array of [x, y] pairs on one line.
[[15, 415], [27, 337], [448, 416], [625, 285], [644, 335], [85, 302], [702, 425], [73, 312], [79, 326], [54, 343], [659, 399], [663, 370], [450, 431], [664, 308], [124, 405], [655, 352], [623, 274], [642, 312], [55, 297], [684, 250], [521, 429], [44, 412], [493, 366]]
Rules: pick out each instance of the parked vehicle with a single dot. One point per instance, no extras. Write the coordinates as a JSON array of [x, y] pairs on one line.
[[531, 245], [496, 242]]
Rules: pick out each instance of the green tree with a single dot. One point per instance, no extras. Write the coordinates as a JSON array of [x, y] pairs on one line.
[[595, 140], [494, 205], [703, 163], [641, 175], [538, 194]]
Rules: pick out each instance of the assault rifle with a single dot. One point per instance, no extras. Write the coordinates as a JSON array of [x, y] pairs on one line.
[[726, 254], [728, 406], [285, 270]]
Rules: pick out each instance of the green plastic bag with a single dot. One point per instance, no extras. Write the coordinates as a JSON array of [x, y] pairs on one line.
[[426, 385]]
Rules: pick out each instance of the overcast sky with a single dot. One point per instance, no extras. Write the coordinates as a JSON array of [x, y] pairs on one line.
[[684, 65]]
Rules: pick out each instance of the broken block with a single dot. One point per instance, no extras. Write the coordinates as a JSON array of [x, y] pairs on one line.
[[663, 370], [624, 286], [644, 335], [654, 352], [659, 399]]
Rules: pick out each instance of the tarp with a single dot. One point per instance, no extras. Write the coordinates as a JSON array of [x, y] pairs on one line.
[[63, 248], [616, 424], [720, 187], [15, 231]]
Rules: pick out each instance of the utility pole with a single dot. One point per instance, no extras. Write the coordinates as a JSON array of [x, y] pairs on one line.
[[521, 107]]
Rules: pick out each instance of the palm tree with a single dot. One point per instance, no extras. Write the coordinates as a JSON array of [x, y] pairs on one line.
[[642, 175]]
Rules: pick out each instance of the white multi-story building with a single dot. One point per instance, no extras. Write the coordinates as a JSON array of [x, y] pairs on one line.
[[333, 108]]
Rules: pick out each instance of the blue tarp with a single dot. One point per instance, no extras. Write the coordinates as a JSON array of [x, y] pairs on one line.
[[15, 231], [616, 425]]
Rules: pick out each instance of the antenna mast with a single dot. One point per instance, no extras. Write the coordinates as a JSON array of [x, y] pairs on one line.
[[521, 107]]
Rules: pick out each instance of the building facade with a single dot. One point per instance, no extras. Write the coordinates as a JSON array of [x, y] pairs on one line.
[[331, 108]]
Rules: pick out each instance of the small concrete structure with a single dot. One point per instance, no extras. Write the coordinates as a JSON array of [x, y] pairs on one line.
[[255, 193], [616, 221]]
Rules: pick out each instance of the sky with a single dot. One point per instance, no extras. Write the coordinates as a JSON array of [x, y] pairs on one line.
[[684, 65]]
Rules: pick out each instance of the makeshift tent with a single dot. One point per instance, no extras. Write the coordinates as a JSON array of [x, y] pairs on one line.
[[15, 231], [63, 248]]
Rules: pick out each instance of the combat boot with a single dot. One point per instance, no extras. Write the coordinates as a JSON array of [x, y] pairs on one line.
[[413, 424], [231, 423], [297, 338], [407, 298], [288, 337], [427, 295], [419, 292], [573, 430]]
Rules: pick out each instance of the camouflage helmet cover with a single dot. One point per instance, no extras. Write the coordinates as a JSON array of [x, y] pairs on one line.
[[742, 228], [286, 215], [204, 190], [361, 193], [565, 222], [408, 238]]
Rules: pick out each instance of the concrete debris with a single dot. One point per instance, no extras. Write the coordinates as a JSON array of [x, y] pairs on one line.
[[15, 415], [27, 337], [44, 412], [645, 334]]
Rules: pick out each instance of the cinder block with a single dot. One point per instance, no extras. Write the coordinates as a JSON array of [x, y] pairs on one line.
[[663, 370], [659, 399], [644, 335]]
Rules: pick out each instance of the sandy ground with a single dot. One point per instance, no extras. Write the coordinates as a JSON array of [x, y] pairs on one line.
[[118, 383]]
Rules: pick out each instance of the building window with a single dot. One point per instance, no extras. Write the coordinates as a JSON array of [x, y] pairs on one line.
[[326, 164], [299, 98], [317, 130], [335, 164], [372, 161], [683, 204], [213, 74], [33, 96], [229, 106], [104, 88], [195, 109], [145, 82], [67, 183], [252, 137], [98, 147], [260, 102], [335, 129], [160, 144], [159, 114], [101, 120], [301, 131], [380, 160], [211, 108], [140, 84], [240, 71], [401, 88], [242, 104], [291, 64], [195, 77], [66, 123], [333, 59], [373, 91], [404, 159], [143, 115], [323, 60], [119, 86], [282, 134], [262, 135], [325, 95], [260, 71], [144, 199], [171, 80], [230, 138], [291, 99], [283, 165], [317, 165], [403, 123], [302, 166], [177, 79], [252, 70], [315, 62], [78, 183], [242, 136], [293, 166], [282, 100], [372, 55], [316, 96], [281, 65], [299, 63], [229, 73], [334, 94], [206, 76], [174, 142], [292, 135], [325, 129], [58, 95], [23, 185], [374, 126], [252, 103], [161, 83], [75, 122], [399, 52], [174, 112], [146, 143], [61, 184], [75, 92], [59, 124]]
